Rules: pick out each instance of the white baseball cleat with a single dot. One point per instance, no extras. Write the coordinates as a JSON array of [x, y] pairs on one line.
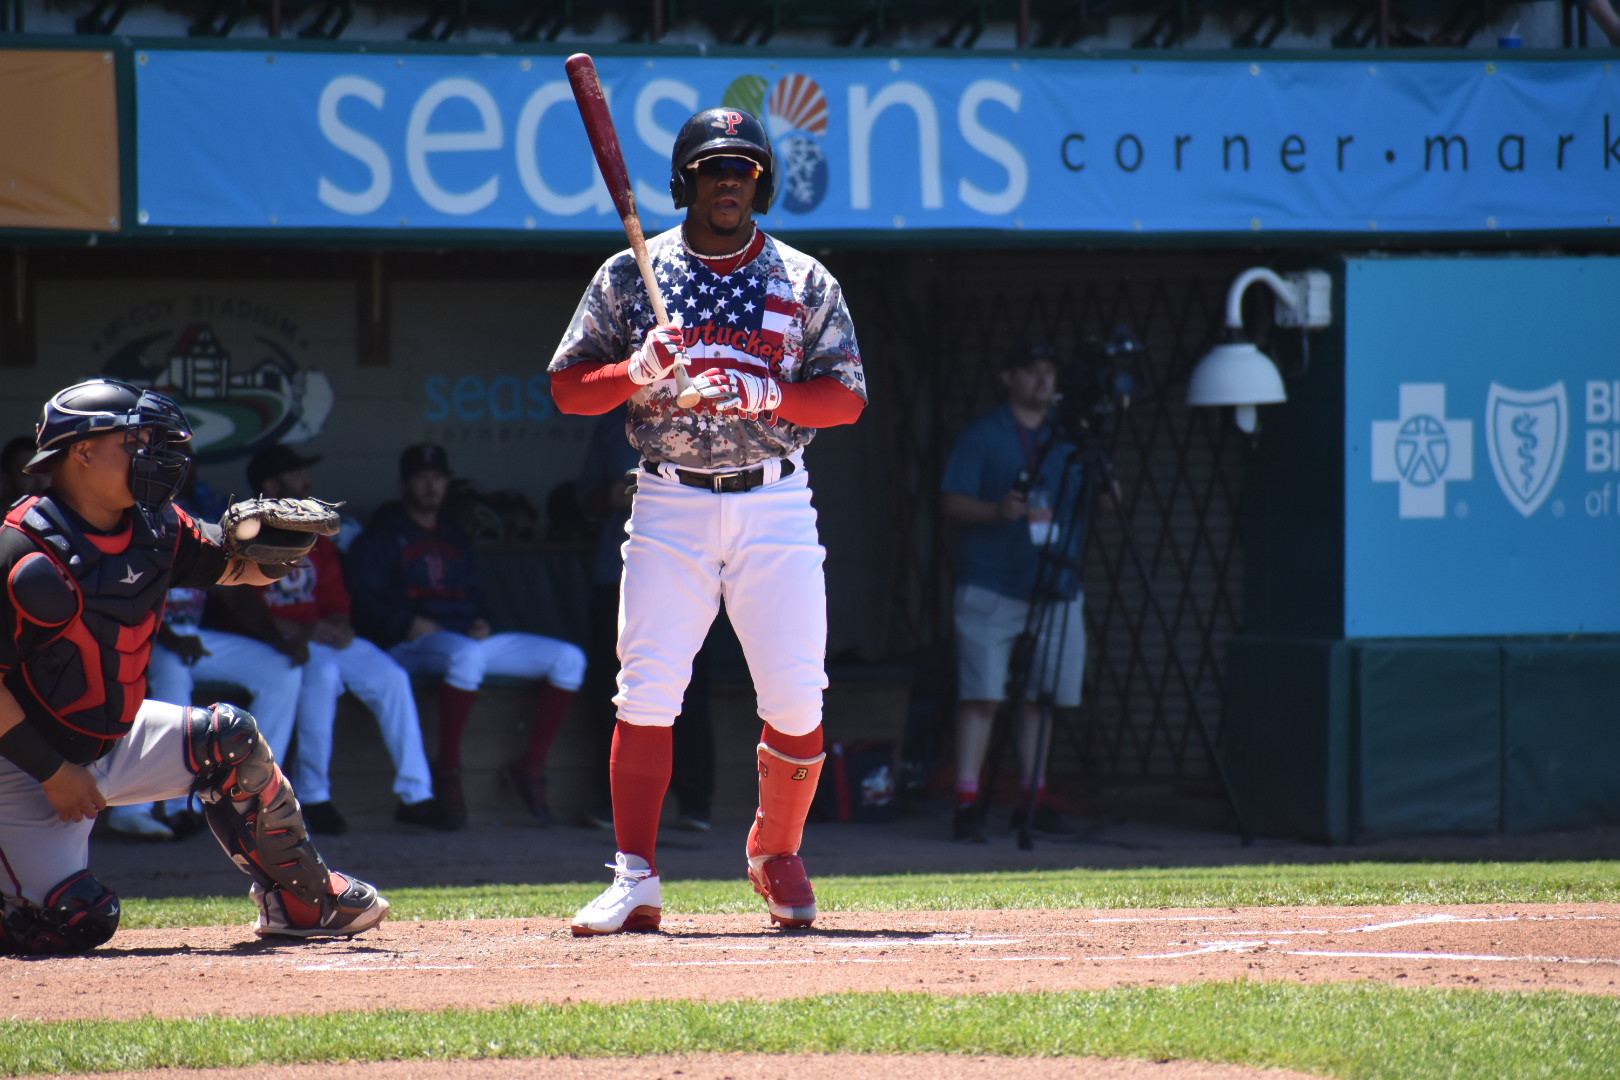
[[635, 900]]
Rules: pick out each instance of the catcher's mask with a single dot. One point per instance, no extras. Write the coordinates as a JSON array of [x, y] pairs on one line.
[[723, 132], [155, 434]]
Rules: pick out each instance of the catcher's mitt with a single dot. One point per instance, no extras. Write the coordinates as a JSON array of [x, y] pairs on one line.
[[277, 532]]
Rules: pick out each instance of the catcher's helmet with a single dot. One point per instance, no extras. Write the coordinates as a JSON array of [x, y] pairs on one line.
[[722, 132], [157, 467]]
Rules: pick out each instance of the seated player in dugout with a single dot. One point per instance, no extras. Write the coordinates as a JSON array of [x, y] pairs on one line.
[[722, 508], [417, 592], [87, 566]]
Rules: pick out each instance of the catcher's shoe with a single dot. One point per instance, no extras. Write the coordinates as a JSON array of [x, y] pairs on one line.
[[635, 900], [782, 881], [358, 908]]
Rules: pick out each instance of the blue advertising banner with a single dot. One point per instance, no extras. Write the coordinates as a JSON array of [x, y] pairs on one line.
[[1482, 456], [331, 140]]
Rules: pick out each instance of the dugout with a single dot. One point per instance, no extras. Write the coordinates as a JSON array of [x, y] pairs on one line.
[[353, 336]]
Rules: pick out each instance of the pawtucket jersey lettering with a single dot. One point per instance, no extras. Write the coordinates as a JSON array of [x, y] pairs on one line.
[[780, 315]]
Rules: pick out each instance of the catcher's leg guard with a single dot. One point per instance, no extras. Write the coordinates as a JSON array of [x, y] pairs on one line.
[[253, 813], [78, 915], [787, 786]]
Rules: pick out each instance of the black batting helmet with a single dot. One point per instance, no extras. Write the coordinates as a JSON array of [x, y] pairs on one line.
[[87, 409], [723, 132]]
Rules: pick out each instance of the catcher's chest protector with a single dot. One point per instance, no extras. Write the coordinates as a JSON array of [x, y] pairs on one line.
[[89, 668]]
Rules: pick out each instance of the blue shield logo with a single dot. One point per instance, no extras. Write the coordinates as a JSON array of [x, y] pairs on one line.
[[1526, 431]]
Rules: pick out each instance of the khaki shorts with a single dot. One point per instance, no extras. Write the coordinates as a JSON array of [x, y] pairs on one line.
[[987, 623]]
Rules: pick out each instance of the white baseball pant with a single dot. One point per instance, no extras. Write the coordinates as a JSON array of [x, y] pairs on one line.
[[686, 549], [385, 688], [464, 662], [38, 850]]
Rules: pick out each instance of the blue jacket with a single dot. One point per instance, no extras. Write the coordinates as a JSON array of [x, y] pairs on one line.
[[398, 570]]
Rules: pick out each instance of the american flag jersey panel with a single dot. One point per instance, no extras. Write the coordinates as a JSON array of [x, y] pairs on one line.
[[781, 314]]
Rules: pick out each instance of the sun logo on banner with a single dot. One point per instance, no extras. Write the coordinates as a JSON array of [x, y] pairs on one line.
[[795, 113]]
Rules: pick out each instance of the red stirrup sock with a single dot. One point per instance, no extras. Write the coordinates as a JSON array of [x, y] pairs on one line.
[[643, 758], [455, 707], [549, 715], [799, 746]]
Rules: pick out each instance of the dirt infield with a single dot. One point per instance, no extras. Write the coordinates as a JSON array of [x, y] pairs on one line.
[[413, 965], [435, 965]]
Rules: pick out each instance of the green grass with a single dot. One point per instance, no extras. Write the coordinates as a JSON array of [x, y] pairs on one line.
[[1343, 1030], [1226, 886]]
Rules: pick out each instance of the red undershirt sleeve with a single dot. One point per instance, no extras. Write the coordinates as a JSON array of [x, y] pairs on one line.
[[592, 389], [819, 402]]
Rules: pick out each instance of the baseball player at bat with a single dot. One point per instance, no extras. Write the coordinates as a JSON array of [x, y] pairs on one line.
[[722, 504], [87, 566]]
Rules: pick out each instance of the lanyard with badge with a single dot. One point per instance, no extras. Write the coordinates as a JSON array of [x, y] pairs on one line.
[[1043, 529]]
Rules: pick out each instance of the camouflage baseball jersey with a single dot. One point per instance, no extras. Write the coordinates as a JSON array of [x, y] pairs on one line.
[[781, 314]]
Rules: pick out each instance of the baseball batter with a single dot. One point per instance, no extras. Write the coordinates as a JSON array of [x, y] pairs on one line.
[[722, 506], [87, 566]]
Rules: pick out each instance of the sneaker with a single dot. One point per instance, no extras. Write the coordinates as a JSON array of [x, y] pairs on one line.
[[323, 817], [357, 908], [447, 789], [137, 821], [532, 790], [967, 825], [635, 900], [429, 813], [781, 880], [1047, 823], [598, 819]]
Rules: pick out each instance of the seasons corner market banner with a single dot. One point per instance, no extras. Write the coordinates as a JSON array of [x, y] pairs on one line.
[[247, 140]]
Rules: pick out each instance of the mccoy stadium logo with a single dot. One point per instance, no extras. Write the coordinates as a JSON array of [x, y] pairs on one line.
[[230, 361], [795, 114]]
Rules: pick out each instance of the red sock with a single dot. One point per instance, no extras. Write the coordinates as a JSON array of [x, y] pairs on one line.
[[549, 715], [803, 747], [455, 706], [967, 792], [643, 758]]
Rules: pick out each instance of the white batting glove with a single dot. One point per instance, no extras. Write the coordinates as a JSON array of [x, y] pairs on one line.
[[658, 354], [738, 391]]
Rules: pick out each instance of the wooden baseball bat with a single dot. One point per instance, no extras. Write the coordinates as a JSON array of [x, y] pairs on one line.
[[593, 109]]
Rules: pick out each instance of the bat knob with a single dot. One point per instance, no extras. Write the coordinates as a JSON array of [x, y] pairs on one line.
[[689, 397]]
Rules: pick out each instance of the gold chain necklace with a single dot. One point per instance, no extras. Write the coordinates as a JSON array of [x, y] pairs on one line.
[[752, 232]]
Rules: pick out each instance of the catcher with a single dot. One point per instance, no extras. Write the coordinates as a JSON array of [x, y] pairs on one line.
[[87, 566]]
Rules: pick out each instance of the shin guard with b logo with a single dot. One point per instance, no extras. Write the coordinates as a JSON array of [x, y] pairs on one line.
[[787, 786]]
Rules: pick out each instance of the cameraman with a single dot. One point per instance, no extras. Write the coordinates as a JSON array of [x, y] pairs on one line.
[[1001, 484]]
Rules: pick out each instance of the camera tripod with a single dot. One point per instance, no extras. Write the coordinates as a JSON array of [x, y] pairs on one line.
[[1064, 552]]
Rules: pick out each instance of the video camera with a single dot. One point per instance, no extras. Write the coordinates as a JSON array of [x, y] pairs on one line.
[[1100, 379]]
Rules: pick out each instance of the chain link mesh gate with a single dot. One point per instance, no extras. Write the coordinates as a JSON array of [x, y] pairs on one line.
[[934, 326]]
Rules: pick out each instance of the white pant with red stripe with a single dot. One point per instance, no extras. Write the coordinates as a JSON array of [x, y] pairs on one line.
[[686, 550]]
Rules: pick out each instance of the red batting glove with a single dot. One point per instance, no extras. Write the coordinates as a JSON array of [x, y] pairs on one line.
[[658, 354], [738, 391]]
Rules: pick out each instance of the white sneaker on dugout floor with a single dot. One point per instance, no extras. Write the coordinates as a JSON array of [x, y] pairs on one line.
[[137, 821], [635, 900]]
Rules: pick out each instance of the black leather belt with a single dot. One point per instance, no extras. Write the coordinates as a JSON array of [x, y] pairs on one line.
[[737, 480]]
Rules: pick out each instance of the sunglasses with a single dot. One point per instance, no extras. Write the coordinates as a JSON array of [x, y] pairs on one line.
[[737, 167]]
